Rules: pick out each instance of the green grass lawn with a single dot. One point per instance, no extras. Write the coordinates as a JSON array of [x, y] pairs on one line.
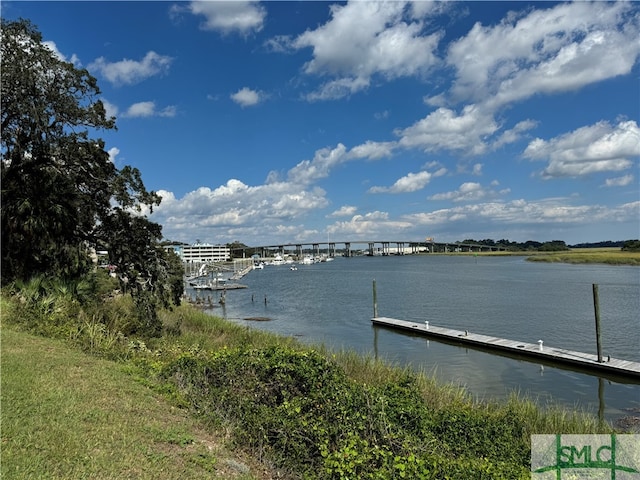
[[67, 415]]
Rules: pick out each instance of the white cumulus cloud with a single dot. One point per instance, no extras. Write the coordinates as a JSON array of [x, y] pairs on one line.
[[363, 39], [129, 72], [227, 17], [561, 48], [409, 183], [344, 211], [619, 181], [246, 97], [148, 109], [471, 192], [234, 207], [371, 224], [444, 129], [595, 148]]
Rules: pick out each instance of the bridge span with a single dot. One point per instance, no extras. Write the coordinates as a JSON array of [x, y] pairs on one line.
[[370, 248]]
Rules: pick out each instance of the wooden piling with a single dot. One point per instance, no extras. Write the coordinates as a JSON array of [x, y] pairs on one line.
[[596, 308], [375, 300]]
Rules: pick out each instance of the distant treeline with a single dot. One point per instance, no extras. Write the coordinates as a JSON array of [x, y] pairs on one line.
[[608, 243], [555, 245]]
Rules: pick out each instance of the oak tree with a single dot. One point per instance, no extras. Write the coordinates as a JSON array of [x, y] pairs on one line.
[[62, 196]]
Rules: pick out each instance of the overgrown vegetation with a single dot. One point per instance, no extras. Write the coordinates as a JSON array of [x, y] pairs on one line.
[[308, 412], [302, 412]]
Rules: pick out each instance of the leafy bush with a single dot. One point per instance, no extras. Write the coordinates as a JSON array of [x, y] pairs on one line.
[[301, 411], [85, 311], [46, 306]]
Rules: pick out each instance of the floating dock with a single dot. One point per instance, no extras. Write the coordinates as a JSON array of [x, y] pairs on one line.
[[540, 351], [218, 286]]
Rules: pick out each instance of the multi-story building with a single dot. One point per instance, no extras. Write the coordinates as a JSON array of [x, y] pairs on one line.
[[201, 252]]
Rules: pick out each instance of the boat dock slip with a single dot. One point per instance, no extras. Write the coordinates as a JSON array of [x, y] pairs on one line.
[[540, 351]]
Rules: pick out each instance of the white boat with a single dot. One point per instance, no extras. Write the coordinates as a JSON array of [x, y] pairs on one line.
[[293, 268], [307, 260], [219, 280], [277, 260]]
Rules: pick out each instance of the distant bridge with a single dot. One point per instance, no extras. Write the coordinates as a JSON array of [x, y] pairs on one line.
[[371, 248]]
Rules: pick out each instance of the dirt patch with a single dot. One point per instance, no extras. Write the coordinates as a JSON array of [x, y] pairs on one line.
[[629, 423]]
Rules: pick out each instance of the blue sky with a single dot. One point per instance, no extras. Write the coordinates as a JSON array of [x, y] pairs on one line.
[[284, 122]]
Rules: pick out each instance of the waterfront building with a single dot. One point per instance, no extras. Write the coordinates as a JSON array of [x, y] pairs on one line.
[[201, 252]]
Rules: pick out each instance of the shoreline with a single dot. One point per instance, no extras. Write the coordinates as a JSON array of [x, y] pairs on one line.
[[603, 256]]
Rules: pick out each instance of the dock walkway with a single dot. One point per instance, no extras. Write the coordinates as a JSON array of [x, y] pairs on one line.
[[551, 354]]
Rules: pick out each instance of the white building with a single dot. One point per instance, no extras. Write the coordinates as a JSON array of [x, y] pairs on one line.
[[202, 252]]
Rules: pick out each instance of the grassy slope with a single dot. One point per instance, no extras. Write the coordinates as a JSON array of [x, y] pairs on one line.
[[69, 415]]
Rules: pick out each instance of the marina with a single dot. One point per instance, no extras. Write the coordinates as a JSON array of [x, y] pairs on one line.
[[217, 277]]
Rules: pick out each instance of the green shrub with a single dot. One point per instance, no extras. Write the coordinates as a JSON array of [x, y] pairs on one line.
[[301, 411], [44, 306], [88, 312]]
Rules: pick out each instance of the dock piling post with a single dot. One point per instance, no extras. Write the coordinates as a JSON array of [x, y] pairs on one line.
[[596, 308], [375, 300]]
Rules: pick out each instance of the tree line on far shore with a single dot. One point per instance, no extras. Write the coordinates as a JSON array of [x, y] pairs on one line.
[[555, 245]]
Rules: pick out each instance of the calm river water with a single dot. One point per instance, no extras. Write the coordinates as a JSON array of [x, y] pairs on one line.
[[332, 303]]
